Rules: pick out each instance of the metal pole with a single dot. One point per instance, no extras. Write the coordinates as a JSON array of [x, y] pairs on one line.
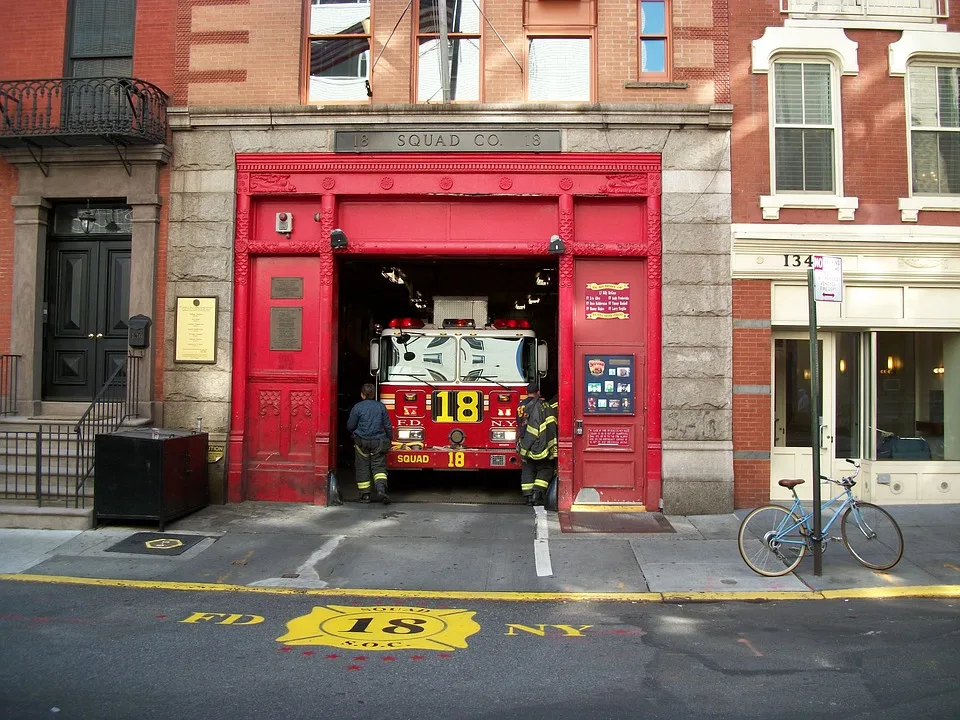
[[815, 424], [444, 49]]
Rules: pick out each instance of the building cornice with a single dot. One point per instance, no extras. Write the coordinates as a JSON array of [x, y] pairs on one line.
[[713, 116]]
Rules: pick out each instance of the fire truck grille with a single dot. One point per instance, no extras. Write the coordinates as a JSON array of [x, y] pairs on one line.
[[498, 460]]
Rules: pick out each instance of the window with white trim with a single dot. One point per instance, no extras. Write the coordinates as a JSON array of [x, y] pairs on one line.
[[805, 127], [934, 129]]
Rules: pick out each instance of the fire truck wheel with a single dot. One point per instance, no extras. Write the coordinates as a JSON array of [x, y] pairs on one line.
[[551, 503]]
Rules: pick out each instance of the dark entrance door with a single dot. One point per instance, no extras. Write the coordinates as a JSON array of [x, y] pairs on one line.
[[87, 299]]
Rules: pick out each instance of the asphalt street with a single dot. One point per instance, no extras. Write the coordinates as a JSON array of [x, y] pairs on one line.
[[104, 652]]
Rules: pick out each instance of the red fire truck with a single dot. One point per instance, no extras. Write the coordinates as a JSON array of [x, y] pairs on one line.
[[452, 386]]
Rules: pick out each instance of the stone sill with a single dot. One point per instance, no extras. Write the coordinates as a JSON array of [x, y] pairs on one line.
[[772, 204], [656, 84], [910, 207]]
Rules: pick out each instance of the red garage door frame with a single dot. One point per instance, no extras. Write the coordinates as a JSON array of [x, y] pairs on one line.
[[323, 179]]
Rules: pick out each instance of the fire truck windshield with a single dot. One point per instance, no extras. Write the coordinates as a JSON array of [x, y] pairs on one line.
[[436, 359]]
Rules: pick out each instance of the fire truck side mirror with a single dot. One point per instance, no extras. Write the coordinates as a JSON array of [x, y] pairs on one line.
[[374, 357], [542, 358]]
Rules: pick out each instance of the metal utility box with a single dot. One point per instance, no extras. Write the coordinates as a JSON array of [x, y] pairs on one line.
[[149, 474], [138, 332]]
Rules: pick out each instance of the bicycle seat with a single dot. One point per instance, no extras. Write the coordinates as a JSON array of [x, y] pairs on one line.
[[790, 484]]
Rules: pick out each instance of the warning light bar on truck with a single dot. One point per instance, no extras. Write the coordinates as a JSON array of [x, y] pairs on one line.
[[502, 324], [458, 323], [415, 323]]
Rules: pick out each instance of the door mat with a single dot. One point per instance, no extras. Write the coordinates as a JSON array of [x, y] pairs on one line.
[[614, 522], [156, 543]]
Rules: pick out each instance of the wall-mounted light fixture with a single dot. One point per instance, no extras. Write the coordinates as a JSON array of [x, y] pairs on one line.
[[532, 300], [556, 245], [394, 275], [938, 370], [843, 366], [894, 365], [338, 239], [87, 219], [543, 278]]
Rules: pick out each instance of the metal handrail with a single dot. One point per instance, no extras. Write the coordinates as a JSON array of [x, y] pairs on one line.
[[9, 367], [116, 401], [122, 108]]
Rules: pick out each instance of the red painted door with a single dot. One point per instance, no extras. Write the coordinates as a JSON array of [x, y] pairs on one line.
[[282, 378], [609, 330]]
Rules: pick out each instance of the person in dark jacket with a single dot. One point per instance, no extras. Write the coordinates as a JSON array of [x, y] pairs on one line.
[[536, 444], [369, 425]]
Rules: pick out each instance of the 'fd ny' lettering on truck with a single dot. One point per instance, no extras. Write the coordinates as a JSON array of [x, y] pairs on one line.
[[452, 386]]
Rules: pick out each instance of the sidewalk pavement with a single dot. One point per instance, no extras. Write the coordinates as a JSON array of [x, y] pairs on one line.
[[478, 550]]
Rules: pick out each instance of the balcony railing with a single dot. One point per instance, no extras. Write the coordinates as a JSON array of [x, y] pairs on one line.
[[870, 9], [71, 112]]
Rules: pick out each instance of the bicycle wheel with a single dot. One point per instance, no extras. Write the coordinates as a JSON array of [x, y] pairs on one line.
[[872, 536], [771, 540]]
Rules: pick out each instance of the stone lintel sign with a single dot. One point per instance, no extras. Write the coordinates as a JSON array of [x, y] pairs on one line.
[[378, 141]]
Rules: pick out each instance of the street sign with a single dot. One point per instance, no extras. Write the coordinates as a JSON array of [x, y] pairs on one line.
[[827, 278]]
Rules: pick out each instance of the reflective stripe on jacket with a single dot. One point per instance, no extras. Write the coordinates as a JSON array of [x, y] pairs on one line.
[[538, 430]]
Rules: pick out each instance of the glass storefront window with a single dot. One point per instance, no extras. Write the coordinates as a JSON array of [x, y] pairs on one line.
[[917, 396]]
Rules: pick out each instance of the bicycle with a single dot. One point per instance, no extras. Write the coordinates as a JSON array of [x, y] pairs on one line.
[[773, 540]]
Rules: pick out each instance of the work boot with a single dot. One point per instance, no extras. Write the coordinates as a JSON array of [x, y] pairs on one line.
[[528, 499], [365, 497], [538, 497], [382, 492]]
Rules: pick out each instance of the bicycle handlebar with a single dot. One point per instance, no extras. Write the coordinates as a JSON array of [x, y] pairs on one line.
[[847, 481]]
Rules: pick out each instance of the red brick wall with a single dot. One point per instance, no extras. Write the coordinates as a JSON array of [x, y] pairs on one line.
[[248, 52], [751, 410], [874, 128], [39, 51]]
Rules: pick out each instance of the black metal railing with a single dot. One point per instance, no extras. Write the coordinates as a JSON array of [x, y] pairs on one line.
[[117, 400], [9, 365], [40, 465], [58, 109]]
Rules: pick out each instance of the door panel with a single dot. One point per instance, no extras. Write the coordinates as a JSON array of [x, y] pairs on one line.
[[282, 380], [610, 331], [87, 295]]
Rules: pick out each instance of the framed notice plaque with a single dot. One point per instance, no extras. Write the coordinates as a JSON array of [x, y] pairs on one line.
[[196, 330], [610, 385]]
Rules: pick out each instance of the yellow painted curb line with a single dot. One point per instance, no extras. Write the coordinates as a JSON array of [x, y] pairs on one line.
[[922, 591]]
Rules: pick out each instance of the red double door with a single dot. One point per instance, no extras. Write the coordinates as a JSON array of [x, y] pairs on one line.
[[283, 379]]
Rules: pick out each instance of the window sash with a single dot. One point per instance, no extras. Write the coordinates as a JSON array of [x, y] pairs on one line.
[[935, 129], [805, 134], [340, 51], [549, 78], [654, 37]]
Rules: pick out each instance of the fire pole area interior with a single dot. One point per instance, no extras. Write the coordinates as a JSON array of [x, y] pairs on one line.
[[374, 292]]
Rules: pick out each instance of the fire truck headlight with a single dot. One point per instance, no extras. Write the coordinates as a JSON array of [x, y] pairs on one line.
[[407, 434], [503, 435]]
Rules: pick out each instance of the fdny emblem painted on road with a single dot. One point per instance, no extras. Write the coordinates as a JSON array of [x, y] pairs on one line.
[[163, 544], [382, 627]]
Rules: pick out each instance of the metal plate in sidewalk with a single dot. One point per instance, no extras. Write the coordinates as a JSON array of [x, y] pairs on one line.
[[156, 543], [614, 522]]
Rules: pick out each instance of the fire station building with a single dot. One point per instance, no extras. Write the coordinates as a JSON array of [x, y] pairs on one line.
[[568, 161]]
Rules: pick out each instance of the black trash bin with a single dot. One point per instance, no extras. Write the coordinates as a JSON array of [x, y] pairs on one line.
[[150, 474]]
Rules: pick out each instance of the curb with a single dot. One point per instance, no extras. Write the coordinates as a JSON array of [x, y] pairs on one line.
[[916, 591]]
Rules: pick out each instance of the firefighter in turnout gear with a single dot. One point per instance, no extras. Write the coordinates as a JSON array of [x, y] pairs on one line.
[[536, 444], [369, 425]]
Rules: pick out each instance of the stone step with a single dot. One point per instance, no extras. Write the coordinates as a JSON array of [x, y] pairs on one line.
[[20, 515]]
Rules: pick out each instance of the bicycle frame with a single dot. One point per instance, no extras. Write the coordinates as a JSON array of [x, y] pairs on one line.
[[845, 500]]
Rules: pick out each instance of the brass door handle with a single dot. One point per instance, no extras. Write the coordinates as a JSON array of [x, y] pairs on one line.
[[90, 336], [99, 335]]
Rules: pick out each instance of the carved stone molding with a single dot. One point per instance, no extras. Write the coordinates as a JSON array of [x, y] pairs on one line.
[[269, 402], [271, 183]]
